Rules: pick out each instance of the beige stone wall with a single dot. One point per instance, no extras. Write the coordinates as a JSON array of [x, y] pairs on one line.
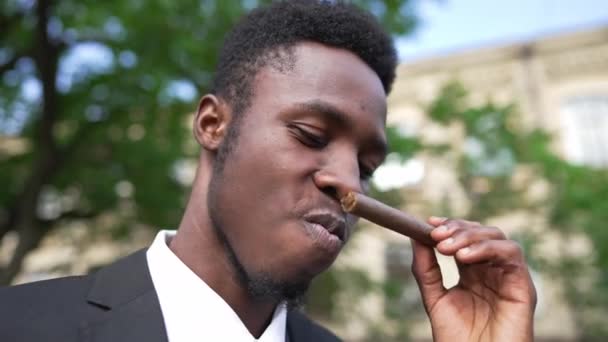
[[537, 75]]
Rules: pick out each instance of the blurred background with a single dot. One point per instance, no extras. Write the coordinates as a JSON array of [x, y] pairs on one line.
[[499, 113]]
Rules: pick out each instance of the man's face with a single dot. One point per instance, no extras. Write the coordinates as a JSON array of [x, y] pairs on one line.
[[310, 133]]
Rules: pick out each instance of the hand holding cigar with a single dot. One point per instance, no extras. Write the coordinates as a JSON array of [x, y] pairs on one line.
[[387, 217]]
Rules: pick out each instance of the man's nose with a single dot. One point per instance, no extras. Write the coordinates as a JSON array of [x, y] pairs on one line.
[[339, 178]]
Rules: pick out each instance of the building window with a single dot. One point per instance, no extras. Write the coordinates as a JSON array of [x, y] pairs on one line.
[[585, 129]]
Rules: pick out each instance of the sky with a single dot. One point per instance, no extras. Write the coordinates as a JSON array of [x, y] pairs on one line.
[[460, 25]]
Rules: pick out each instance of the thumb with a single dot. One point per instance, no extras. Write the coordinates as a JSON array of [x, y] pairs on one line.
[[427, 274]]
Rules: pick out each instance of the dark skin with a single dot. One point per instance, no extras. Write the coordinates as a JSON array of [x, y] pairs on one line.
[[309, 134], [494, 299]]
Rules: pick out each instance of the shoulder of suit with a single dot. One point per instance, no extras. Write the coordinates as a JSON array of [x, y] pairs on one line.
[[58, 309], [306, 329], [43, 298], [46, 291], [56, 306]]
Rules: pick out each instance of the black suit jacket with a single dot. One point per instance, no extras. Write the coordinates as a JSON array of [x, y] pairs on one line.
[[116, 304]]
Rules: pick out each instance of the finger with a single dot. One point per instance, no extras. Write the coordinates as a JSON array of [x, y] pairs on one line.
[[461, 237], [496, 252], [503, 256], [427, 274], [441, 232], [447, 226], [436, 220]]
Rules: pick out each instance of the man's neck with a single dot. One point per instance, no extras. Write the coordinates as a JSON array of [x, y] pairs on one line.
[[196, 245]]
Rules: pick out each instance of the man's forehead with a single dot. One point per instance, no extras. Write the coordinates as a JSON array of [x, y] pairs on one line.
[[326, 70]]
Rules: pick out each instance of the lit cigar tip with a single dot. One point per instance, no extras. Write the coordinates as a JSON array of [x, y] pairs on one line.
[[348, 201]]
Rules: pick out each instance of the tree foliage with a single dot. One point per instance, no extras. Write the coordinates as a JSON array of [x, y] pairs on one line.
[[95, 99], [489, 166]]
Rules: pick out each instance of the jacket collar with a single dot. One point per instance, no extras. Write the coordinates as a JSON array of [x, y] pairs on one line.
[[301, 329], [124, 290]]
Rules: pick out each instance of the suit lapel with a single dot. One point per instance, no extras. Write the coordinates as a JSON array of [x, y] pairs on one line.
[[298, 328], [302, 329], [124, 294], [124, 291]]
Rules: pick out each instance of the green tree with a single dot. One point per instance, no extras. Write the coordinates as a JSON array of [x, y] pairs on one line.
[[575, 203], [97, 96]]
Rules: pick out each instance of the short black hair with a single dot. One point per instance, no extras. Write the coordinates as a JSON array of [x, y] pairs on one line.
[[264, 37]]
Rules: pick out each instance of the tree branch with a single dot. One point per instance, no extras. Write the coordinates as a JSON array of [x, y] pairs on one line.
[[10, 64], [7, 225], [68, 215], [29, 239], [45, 164]]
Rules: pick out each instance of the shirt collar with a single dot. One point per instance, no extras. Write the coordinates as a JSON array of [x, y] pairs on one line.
[[192, 311]]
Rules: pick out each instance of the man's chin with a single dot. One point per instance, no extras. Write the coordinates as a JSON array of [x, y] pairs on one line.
[[263, 286]]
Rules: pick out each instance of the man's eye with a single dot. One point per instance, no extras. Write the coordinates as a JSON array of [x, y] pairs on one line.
[[309, 139]]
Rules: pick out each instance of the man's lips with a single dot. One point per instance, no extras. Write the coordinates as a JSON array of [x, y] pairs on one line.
[[333, 223]]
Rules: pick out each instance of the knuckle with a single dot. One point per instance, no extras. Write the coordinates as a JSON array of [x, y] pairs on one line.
[[464, 224], [475, 224], [481, 246], [451, 223], [495, 231], [415, 270], [534, 296], [464, 234], [455, 225], [472, 234], [455, 222], [510, 249], [516, 248]]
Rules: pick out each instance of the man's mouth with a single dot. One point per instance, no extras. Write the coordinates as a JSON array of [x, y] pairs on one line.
[[333, 223]]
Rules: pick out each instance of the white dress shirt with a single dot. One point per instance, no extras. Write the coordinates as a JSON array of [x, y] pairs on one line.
[[192, 311]]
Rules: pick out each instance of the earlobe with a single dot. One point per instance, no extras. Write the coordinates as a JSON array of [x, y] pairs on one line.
[[211, 122]]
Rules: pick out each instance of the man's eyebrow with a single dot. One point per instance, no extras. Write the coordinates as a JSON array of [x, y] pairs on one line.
[[329, 112], [338, 117]]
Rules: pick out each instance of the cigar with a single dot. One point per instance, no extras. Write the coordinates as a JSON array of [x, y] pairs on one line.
[[387, 217]]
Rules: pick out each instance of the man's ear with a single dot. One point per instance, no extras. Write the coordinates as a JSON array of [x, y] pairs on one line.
[[211, 122]]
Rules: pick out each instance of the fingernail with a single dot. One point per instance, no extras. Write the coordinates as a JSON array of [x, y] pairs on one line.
[[442, 229], [449, 241], [465, 250]]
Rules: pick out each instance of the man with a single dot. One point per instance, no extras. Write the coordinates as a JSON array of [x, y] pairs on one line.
[[295, 118]]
